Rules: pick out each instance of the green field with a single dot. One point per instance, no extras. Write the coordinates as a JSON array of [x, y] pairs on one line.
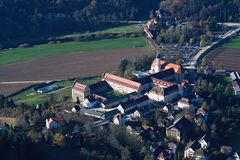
[[233, 43], [21, 54], [121, 29], [32, 97]]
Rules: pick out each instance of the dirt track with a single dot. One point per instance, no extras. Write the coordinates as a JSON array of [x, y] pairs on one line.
[[229, 57], [64, 66]]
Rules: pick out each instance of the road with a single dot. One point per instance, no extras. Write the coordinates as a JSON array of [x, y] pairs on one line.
[[193, 61]]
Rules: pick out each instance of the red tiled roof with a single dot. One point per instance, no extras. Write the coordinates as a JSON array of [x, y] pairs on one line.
[[121, 81], [161, 82], [149, 34], [79, 87], [58, 119], [177, 68]]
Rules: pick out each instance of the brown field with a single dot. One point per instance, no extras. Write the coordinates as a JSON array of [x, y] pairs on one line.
[[228, 57], [64, 66]]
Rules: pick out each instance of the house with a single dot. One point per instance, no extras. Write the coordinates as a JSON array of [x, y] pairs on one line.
[[201, 115], [235, 76], [184, 103], [180, 129], [127, 106], [109, 114], [4, 127], [110, 103], [90, 101], [55, 122], [227, 150], [196, 149], [164, 94], [122, 85], [132, 104], [76, 108], [80, 91], [148, 33]]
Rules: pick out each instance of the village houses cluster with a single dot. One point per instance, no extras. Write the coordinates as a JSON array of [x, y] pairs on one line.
[[164, 89], [127, 102]]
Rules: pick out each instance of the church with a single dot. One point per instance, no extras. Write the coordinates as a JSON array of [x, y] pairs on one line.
[[159, 65]]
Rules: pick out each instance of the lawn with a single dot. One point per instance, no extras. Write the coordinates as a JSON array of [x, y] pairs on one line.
[[233, 43], [22, 54], [121, 29]]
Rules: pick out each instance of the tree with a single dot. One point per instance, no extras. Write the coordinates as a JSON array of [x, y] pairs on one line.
[[59, 140]]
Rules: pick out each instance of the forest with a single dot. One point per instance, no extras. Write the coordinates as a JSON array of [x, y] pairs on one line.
[[223, 10], [24, 18]]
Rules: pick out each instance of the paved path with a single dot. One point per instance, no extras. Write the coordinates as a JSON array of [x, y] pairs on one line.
[[23, 82]]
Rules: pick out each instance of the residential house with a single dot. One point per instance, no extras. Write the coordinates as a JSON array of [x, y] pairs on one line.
[[236, 87], [133, 104], [108, 114], [54, 122], [180, 129], [127, 106], [227, 150], [196, 149], [110, 103], [201, 115], [184, 103]]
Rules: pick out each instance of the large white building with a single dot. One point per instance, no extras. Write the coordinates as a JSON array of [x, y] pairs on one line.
[[122, 85]]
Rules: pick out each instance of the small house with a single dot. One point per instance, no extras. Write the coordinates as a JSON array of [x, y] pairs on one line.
[[55, 122]]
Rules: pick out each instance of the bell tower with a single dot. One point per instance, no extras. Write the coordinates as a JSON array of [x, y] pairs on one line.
[[158, 64]]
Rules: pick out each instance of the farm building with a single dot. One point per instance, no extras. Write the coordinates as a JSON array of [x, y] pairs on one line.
[[80, 91]]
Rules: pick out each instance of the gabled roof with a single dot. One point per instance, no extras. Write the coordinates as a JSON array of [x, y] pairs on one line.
[[58, 119], [142, 99], [205, 137], [160, 75], [121, 81], [80, 87], [99, 87], [91, 99], [128, 104], [193, 145], [182, 124]]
